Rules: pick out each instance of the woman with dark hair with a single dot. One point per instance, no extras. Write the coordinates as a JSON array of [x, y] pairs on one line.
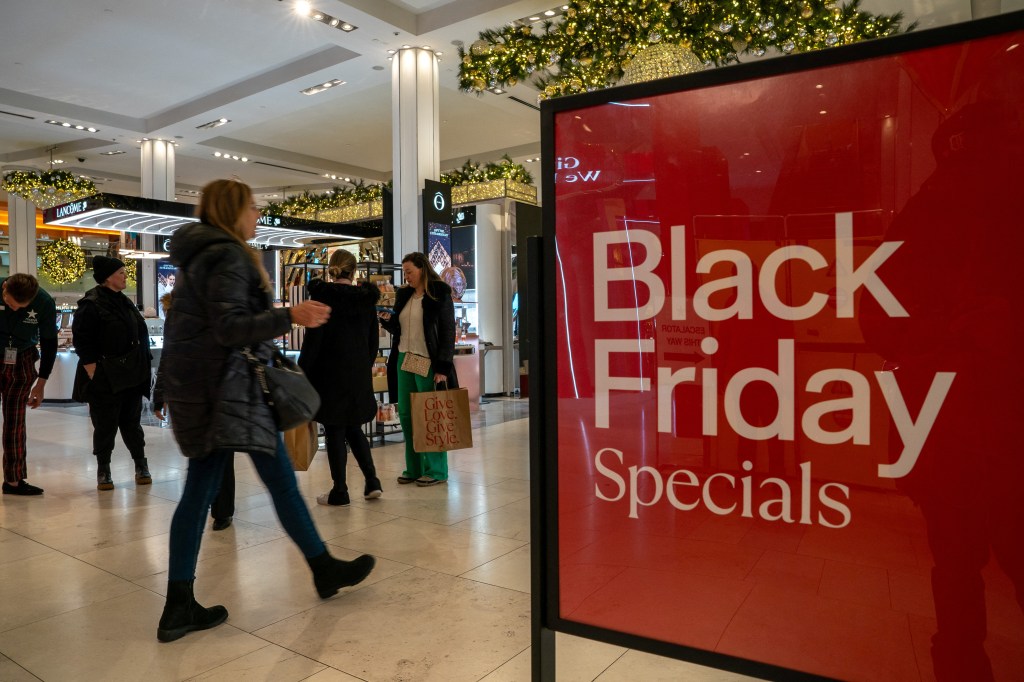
[[338, 358], [222, 305], [424, 325]]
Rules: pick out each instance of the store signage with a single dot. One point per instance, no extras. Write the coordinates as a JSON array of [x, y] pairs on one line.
[[569, 170], [269, 221], [464, 215], [437, 224], [788, 371], [74, 208]]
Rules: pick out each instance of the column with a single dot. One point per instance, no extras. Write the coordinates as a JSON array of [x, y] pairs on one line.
[[491, 236], [157, 183], [22, 226], [415, 149]]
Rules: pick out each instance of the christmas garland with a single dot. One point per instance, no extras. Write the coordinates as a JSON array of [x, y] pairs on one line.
[[48, 188], [308, 203], [62, 261], [590, 45], [131, 267]]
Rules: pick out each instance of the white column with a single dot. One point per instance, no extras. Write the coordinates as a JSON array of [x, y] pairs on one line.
[[415, 151], [491, 303], [158, 170], [22, 226], [157, 183]]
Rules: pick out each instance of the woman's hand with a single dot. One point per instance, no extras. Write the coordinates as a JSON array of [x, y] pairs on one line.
[[440, 378], [90, 369], [310, 313], [384, 315]]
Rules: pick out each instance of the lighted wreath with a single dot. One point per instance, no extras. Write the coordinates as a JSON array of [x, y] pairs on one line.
[[48, 188], [131, 267], [62, 261]]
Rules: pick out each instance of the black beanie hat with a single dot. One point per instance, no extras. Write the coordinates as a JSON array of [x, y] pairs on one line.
[[103, 267]]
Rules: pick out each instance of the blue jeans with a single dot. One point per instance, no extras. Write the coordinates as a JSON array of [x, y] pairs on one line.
[[201, 485]]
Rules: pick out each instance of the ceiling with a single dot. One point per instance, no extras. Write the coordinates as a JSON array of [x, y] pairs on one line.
[[161, 68]]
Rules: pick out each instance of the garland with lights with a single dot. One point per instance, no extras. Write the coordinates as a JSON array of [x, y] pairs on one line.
[[48, 188], [590, 45], [308, 203], [471, 172], [62, 261]]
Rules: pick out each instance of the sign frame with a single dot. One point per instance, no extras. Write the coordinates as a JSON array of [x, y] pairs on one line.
[[546, 578]]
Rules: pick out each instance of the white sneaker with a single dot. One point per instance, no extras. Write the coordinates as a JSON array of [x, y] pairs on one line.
[[373, 494]]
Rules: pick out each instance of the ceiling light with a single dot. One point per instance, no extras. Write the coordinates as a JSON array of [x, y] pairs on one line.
[[496, 90], [216, 123], [57, 161], [113, 153], [318, 16], [348, 28], [549, 13], [302, 8], [320, 87], [334, 22], [76, 126], [231, 157], [534, 18]]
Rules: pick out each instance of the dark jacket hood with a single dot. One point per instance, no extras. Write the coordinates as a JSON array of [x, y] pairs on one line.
[[344, 299], [191, 239]]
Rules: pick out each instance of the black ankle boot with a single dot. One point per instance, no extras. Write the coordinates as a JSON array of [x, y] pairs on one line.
[[103, 479], [142, 475], [330, 574], [183, 614]]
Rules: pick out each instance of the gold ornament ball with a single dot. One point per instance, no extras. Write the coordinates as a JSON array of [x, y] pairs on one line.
[[662, 60], [480, 48], [806, 12]]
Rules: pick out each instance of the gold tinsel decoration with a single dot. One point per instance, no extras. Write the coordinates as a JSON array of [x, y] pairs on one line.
[[661, 60], [62, 261]]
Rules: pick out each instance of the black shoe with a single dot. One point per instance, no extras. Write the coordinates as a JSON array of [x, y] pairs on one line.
[[103, 480], [405, 480], [221, 524], [183, 614], [23, 488], [142, 475], [330, 574], [425, 481]]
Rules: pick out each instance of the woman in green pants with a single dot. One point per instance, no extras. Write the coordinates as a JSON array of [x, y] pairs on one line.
[[423, 324]]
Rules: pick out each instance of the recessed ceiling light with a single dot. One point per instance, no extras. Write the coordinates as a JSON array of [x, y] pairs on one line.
[[549, 13], [320, 87], [216, 123], [76, 126], [112, 153], [302, 8]]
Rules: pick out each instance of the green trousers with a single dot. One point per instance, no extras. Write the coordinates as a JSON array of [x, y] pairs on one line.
[[417, 464]]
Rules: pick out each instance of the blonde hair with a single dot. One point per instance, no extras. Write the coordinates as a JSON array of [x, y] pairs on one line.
[[223, 205], [342, 265]]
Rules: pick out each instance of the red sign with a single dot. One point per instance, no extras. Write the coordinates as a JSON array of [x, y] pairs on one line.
[[789, 366]]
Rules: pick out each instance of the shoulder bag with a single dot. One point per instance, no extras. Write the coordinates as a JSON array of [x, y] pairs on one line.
[[291, 397]]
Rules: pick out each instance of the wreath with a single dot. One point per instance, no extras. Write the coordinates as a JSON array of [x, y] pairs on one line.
[[62, 261]]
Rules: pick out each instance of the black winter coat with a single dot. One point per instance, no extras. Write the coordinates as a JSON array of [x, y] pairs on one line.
[[338, 357], [438, 326], [219, 307], [109, 330]]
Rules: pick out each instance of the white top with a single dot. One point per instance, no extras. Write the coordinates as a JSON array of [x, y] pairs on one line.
[[411, 319]]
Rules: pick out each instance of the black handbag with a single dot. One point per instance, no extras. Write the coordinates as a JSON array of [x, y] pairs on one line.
[[291, 397]]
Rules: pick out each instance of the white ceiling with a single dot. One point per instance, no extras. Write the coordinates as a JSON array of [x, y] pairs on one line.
[[159, 68]]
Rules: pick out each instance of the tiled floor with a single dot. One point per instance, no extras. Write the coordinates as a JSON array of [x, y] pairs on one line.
[[83, 573]]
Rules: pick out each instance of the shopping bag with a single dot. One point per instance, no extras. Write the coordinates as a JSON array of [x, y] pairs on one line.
[[440, 420], [301, 444]]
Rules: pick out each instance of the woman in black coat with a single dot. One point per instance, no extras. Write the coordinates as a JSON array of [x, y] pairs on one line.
[[338, 359], [423, 324], [221, 306]]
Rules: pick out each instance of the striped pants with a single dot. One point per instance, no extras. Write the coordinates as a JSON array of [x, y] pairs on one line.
[[15, 384]]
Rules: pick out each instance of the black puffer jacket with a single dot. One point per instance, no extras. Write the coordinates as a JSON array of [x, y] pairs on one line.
[[338, 357], [219, 307], [438, 327]]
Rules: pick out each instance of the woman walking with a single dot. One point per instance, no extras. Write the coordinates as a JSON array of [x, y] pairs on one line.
[[338, 358], [424, 326], [222, 305]]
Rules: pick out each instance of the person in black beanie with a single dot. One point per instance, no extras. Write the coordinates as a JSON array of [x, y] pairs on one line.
[[112, 343]]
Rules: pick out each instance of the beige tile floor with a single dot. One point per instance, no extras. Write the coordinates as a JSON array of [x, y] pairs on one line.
[[83, 573]]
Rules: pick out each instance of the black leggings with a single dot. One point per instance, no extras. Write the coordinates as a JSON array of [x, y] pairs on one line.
[[336, 436]]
